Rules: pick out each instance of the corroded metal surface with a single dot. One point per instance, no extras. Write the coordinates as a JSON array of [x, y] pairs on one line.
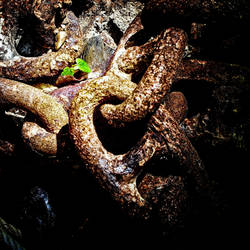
[[167, 54], [123, 175], [43, 105], [198, 10], [67, 38], [118, 173], [39, 139]]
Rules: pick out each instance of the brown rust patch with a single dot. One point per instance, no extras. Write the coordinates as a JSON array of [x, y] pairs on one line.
[[52, 62]]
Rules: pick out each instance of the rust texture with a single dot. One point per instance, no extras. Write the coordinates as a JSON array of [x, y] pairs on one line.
[[155, 83], [199, 10], [45, 107], [118, 173], [39, 139], [51, 113], [67, 45], [44, 11], [151, 100], [210, 71]]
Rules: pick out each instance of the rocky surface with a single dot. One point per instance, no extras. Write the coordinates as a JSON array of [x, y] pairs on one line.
[[103, 26]]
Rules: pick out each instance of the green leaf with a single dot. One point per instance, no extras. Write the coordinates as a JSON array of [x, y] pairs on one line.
[[68, 71], [82, 65]]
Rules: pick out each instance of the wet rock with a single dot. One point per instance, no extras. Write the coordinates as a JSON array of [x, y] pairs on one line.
[[124, 14], [7, 49], [103, 24], [38, 217], [97, 55]]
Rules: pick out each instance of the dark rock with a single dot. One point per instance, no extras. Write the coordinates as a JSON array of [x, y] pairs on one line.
[[38, 216]]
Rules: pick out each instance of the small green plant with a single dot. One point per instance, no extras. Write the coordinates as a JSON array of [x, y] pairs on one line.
[[80, 65]]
